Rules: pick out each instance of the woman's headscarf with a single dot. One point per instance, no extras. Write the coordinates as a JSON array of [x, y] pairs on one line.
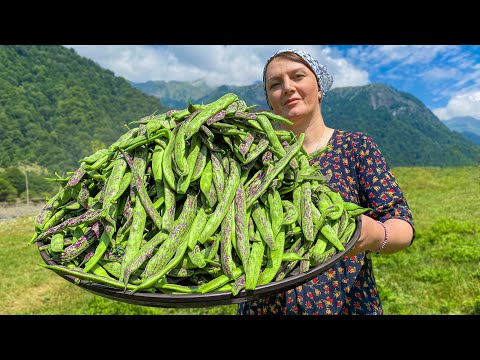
[[324, 79]]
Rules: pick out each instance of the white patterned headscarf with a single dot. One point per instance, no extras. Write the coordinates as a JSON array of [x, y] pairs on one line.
[[324, 79]]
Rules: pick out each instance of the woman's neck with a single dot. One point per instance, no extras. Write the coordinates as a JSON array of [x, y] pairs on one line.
[[316, 132]]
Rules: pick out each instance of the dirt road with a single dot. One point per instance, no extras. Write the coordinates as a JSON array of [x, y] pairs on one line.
[[9, 212]]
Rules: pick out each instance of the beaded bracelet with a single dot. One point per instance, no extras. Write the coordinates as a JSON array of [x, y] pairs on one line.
[[384, 241]]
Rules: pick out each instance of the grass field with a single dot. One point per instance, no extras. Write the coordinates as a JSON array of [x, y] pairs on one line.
[[438, 274]]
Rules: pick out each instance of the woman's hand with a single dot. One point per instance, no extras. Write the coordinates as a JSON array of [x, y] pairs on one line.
[[399, 236]]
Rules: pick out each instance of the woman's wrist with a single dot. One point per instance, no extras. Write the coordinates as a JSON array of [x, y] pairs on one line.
[[385, 239]]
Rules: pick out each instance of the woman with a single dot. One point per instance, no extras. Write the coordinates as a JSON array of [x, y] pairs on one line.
[[295, 85]]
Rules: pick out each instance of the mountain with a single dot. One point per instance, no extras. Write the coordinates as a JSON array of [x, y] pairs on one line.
[[407, 132], [468, 126], [251, 94], [57, 107], [175, 93]]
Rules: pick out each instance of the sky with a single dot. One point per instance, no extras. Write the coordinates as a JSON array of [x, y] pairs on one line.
[[446, 78]]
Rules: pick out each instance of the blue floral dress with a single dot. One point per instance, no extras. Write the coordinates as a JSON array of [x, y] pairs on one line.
[[361, 175]]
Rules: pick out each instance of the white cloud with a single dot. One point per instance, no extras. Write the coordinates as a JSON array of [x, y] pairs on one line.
[[216, 64], [435, 74], [381, 55], [438, 71], [464, 104]]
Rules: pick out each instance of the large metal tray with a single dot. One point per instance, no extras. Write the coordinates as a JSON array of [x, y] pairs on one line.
[[209, 299]]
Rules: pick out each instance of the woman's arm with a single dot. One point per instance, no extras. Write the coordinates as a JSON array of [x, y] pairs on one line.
[[391, 218], [399, 236]]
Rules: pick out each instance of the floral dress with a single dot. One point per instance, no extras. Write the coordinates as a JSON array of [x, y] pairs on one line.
[[361, 175]]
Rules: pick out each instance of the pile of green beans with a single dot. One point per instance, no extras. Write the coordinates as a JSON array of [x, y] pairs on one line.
[[211, 198]]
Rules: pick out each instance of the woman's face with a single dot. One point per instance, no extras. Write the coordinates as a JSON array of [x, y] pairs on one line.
[[292, 89]]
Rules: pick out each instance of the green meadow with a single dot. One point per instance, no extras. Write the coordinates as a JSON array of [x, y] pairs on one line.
[[438, 274]]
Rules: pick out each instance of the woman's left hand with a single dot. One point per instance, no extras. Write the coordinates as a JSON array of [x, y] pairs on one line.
[[371, 237]]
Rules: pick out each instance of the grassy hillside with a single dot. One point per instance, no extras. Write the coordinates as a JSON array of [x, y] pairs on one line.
[[57, 107], [438, 274]]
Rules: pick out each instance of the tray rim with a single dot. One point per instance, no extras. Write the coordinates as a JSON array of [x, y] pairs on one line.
[[159, 299]]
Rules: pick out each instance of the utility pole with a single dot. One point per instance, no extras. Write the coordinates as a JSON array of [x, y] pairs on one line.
[[26, 187]]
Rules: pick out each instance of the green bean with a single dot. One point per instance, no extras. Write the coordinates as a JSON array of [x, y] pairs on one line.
[[266, 125], [337, 200], [207, 112], [82, 243], [124, 184], [180, 249], [134, 262], [349, 230], [104, 241], [216, 117], [245, 144], [210, 145], [291, 213], [222, 207], [342, 223], [206, 178], [170, 207], [219, 224], [76, 176], [122, 139], [218, 174], [112, 186], [241, 227], [306, 211], [56, 218], [99, 163], [327, 254], [135, 236], [198, 224], [78, 273], [177, 288], [252, 272], [212, 249], [301, 250], [154, 123], [184, 181], [227, 231], [331, 236], [318, 249], [211, 197], [275, 117], [222, 125], [97, 155], [167, 171], [88, 216], [138, 170], [157, 160], [280, 165], [292, 257], [256, 150], [200, 163], [56, 242], [179, 148], [356, 212], [259, 217], [197, 256], [238, 284], [49, 208], [167, 249], [219, 281], [274, 259]]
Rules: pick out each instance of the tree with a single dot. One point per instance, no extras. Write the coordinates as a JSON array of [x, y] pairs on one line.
[[8, 193]]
